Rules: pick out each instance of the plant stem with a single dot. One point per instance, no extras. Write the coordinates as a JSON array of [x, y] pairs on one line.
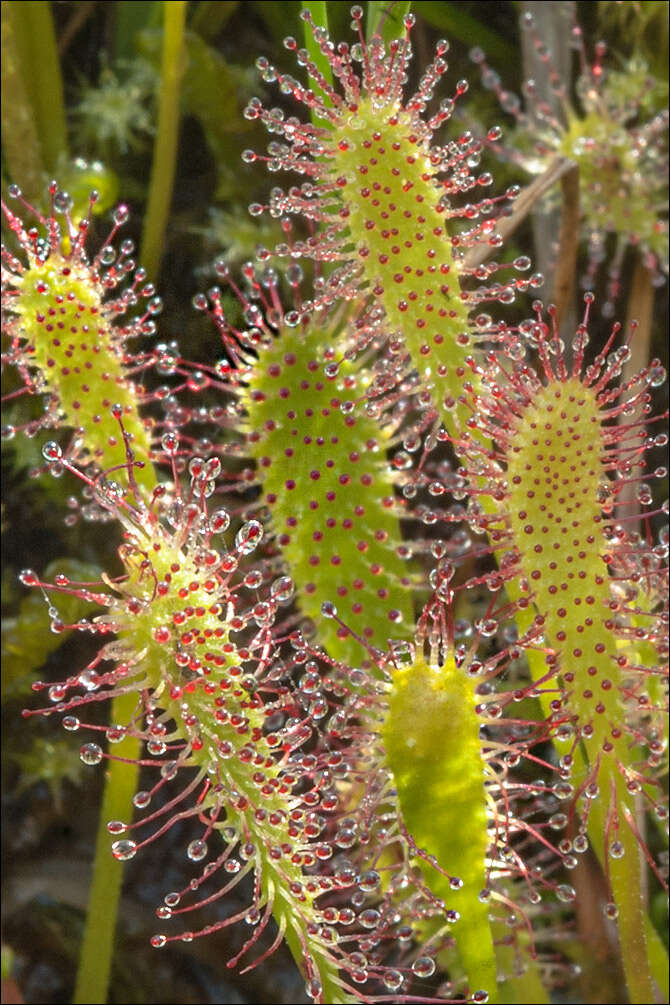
[[625, 881], [21, 145], [568, 245], [639, 309], [95, 960], [165, 149], [40, 71], [523, 204]]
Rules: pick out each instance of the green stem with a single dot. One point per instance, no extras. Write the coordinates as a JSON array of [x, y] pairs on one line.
[[643, 954], [568, 245], [625, 880], [95, 960], [40, 71], [165, 149]]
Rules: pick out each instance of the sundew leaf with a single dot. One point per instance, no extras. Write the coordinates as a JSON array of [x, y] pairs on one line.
[[329, 489], [433, 746]]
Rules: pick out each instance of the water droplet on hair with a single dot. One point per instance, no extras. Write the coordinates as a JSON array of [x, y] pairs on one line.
[[51, 451], [369, 918], [423, 967], [197, 850], [282, 589], [249, 536], [617, 849], [314, 988], [393, 980], [124, 850], [63, 202], [565, 893], [91, 753]]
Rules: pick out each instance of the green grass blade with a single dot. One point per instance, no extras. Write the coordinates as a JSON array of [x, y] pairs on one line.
[[35, 57], [165, 149], [319, 11], [20, 143], [385, 18], [95, 959]]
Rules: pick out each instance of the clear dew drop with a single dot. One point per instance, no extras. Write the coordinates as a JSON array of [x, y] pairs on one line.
[[369, 881], [91, 753], [423, 967], [656, 376], [314, 988], [219, 521], [393, 980], [197, 850], [63, 202], [369, 918], [282, 589], [51, 451], [248, 537], [124, 850], [158, 941], [611, 911], [170, 442], [566, 893], [121, 214], [580, 844]]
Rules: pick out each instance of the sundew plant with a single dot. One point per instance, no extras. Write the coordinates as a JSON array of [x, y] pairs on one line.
[[335, 621]]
